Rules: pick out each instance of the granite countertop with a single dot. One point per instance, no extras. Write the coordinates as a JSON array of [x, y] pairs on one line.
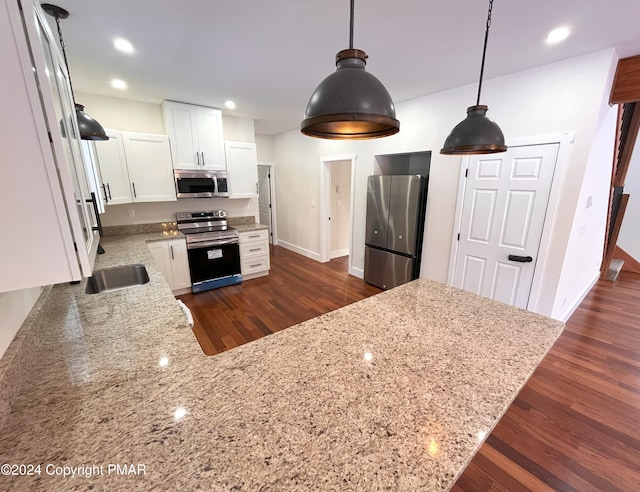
[[394, 392], [249, 227]]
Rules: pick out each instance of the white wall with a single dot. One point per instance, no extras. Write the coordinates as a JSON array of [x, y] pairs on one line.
[[568, 96], [238, 129], [123, 114], [154, 212], [265, 147], [629, 238], [14, 308], [340, 207], [581, 268]]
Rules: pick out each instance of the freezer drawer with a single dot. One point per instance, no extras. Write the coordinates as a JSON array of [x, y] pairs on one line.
[[386, 270]]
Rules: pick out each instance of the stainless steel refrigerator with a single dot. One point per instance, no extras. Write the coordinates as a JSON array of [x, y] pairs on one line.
[[396, 208]]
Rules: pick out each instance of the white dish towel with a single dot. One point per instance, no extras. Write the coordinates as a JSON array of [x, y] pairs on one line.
[[186, 311]]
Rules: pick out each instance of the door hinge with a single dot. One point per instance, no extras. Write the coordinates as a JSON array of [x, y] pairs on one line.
[[466, 173], [458, 236], [50, 137], [269, 205]]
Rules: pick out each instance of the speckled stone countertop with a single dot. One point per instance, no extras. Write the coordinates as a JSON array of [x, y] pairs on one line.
[[249, 227], [395, 392]]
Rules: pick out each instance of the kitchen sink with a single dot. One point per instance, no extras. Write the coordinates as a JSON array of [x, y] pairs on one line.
[[117, 278]]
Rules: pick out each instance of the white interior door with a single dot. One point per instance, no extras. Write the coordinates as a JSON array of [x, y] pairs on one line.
[[504, 207], [264, 197]]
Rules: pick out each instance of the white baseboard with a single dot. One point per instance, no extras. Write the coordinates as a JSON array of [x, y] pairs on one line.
[[357, 272], [567, 314], [299, 250], [338, 253]]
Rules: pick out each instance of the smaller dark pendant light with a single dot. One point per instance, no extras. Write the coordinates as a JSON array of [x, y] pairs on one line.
[[476, 134], [89, 128], [350, 104]]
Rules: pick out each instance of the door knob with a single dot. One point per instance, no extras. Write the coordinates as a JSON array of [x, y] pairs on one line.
[[521, 259]]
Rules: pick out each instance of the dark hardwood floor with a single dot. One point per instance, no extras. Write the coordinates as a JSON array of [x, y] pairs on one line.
[[574, 426], [576, 423], [297, 289]]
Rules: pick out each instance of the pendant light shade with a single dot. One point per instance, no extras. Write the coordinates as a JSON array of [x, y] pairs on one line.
[[476, 134], [350, 104], [89, 128]]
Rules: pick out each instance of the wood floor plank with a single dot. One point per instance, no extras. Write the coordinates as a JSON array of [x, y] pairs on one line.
[[297, 289], [576, 423]]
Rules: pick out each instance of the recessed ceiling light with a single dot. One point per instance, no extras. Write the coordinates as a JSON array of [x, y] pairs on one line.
[[558, 34], [230, 105], [118, 84], [123, 45]]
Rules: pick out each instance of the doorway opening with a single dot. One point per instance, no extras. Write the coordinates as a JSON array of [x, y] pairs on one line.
[[337, 187], [266, 199]]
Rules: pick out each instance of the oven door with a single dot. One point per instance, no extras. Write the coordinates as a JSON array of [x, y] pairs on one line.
[[214, 264]]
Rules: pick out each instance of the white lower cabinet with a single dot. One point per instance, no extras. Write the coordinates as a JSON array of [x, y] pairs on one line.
[[171, 257], [254, 254]]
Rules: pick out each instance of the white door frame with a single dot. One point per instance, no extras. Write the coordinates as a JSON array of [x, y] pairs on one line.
[[272, 191], [325, 204], [564, 140]]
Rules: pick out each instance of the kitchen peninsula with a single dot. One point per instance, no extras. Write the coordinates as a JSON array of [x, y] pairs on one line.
[[396, 391]]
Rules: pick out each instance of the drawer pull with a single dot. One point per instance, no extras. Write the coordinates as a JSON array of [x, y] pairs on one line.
[[255, 235], [255, 249], [253, 266]]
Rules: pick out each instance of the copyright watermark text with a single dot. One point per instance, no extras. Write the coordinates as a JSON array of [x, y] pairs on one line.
[[86, 470]]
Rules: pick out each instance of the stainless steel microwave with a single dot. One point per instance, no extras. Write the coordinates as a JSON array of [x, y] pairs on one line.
[[200, 184]]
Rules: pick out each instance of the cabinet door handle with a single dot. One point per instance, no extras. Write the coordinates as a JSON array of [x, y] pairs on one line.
[[197, 158], [202, 158], [104, 192], [94, 202], [134, 190], [109, 190], [172, 257]]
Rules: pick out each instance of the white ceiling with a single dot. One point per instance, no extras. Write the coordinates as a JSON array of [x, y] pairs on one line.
[[269, 55]]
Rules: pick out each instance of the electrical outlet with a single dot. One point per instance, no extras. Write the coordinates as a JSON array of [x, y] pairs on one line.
[[131, 212]]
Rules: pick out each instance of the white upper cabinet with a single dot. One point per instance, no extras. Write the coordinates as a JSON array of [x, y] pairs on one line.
[[242, 168], [44, 192], [113, 169], [195, 134], [149, 164], [136, 167]]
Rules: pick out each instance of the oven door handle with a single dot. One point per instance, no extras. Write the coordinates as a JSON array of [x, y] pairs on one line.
[[207, 244]]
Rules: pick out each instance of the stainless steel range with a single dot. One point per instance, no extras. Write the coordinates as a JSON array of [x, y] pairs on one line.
[[212, 247]]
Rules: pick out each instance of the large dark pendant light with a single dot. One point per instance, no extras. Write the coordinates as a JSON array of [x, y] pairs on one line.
[[351, 103], [476, 134], [89, 128]]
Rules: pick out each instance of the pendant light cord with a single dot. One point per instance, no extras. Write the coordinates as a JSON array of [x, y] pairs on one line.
[[351, 26], [484, 50], [64, 55]]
